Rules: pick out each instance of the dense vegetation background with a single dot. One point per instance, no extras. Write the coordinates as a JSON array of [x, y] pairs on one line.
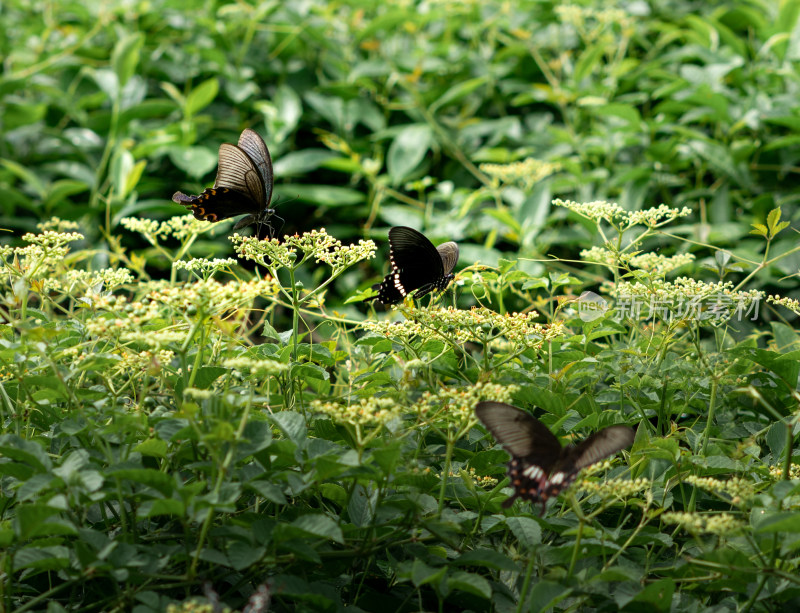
[[176, 428]]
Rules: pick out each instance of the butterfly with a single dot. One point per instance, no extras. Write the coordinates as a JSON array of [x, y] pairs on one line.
[[540, 467], [243, 185], [416, 265]]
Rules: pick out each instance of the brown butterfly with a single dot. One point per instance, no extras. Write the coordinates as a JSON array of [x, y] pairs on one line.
[[243, 185], [540, 467]]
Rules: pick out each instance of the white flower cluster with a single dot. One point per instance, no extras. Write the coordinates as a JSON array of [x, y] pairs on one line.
[[615, 215], [180, 227]]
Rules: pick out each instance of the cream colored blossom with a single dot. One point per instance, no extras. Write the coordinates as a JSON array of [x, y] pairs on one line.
[[203, 266], [615, 215], [296, 249], [736, 487], [262, 367], [58, 225], [776, 472], [477, 324], [527, 173], [615, 488], [372, 411], [180, 227], [789, 303], [721, 524], [457, 404]]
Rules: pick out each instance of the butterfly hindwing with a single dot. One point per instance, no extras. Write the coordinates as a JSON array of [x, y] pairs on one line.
[[417, 266], [540, 468]]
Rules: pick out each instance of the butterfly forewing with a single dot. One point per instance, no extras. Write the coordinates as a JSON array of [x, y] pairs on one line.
[[600, 445], [521, 434], [238, 172], [254, 146]]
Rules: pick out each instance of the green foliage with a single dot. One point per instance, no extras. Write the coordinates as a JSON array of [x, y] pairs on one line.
[[181, 425]]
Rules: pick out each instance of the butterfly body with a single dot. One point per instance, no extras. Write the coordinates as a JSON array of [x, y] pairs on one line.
[[243, 185], [417, 266], [540, 468]]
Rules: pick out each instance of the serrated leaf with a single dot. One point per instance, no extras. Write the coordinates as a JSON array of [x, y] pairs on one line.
[[487, 558], [526, 530], [422, 574], [320, 525], [470, 583]]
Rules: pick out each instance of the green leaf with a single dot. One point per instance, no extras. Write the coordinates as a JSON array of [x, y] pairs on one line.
[[526, 530], [194, 161], [302, 162], [125, 56], [243, 555], [324, 195], [161, 482], [268, 491], [487, 558], [201, 96], [334, 492], [30, 516], [407, 150], [787, 521], [588, 60], [154, 447], [162, 506], [546, 594], [319, 525], [206, 375], [422, 574], [457, 92], [657, 595], [470, 583], [30, 453], [293, 425]]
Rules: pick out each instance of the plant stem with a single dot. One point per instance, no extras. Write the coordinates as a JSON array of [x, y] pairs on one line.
[[445, 472], [523, 595], [712, 405]]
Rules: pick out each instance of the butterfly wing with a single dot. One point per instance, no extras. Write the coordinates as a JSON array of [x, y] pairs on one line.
[[215, 203], [256, 149], [520, 433], [600, 445], [595, 448], [534, 449], [243, 184], [416, 265], [449, 253], [238, 172]]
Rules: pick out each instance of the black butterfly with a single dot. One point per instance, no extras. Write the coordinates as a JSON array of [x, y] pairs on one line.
[[243, 184], [540, 467], [416, 265]]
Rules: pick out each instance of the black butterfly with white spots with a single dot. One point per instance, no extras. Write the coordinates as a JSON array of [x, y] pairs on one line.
[[243, 185], [417, 266], [540, 468]]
